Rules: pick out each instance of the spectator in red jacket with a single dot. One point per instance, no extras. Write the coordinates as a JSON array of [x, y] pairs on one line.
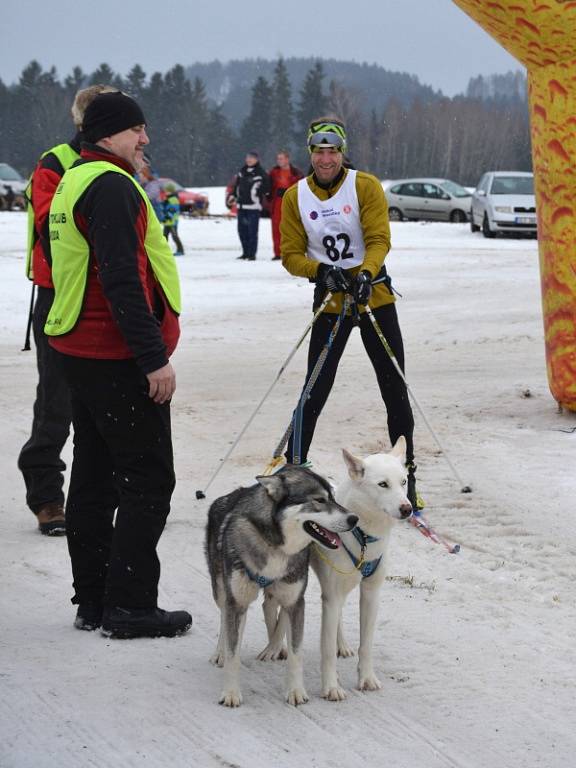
[[282, 176]]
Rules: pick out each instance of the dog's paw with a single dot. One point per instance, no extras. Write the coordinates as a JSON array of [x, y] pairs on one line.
[[231, 698], [335, 693], [344, 651], [369, 683], [273, 653], [217, 659], [297, 696]]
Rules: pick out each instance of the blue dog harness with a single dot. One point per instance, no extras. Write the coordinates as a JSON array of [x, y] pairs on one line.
[[365, 568], [262, 581]]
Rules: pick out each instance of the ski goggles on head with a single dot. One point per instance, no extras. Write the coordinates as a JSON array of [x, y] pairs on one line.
[[326, 135]]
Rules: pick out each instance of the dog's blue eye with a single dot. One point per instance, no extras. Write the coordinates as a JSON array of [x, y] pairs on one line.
[[383, 484]]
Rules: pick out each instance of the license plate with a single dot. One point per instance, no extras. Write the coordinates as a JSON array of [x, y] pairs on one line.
[[525, 220]]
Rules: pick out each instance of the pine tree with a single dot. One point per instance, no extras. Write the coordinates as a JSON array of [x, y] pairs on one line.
[[136, 82], [282, 110], [256, 129], [103, 75], [313, 102]]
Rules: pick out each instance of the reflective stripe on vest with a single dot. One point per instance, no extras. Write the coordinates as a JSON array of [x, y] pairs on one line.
[[66, 157], [71, 252]]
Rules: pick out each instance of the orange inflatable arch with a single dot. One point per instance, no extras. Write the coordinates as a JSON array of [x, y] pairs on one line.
[[541, 34]]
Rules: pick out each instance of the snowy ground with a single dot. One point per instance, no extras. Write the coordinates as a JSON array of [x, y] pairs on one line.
[[476, 650]]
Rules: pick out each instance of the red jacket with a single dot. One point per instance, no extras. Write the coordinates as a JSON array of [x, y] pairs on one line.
[[280, 180], [45, 179], [125, 313]]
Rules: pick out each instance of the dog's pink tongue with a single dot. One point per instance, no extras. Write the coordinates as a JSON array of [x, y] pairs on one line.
[[333, 538]]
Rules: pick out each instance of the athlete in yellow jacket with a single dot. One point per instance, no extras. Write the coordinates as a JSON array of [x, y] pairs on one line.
[[335, 231]]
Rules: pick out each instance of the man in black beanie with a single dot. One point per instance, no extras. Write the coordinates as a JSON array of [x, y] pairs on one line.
[[114, 322]]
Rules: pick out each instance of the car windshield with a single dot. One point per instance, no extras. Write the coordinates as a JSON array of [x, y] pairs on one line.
[[512, 185], [455, 189], [7, 173]]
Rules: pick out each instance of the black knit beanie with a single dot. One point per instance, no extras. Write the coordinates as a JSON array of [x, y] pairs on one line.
[[110, 113]]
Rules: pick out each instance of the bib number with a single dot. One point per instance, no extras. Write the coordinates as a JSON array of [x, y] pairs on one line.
[[335, 253]]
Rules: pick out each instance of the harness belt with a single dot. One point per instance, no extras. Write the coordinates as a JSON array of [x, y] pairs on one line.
[[365, 567], [262, 581]]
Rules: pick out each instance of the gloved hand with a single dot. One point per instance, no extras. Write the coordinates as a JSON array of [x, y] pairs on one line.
[[362, 287], [333, 279], [230, 200]]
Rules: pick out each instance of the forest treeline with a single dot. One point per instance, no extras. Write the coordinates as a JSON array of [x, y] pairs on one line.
[[410, 130]]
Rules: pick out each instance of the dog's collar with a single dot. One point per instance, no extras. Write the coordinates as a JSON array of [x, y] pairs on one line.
[[365, 567], [262, 581], [363, 538]]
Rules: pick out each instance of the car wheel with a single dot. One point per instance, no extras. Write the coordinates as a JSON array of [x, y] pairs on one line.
[[486, 231], [458, 217], [395, 214]]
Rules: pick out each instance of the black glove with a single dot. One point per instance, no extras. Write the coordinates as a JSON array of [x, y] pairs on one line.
[[333, 279], [363, 287]]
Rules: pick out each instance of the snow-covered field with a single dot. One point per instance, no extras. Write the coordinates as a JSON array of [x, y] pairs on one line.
[[476, 651]]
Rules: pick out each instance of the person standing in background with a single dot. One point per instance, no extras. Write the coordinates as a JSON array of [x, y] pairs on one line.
[[251, 185], [170, 216], [39, 460], [282, 176]]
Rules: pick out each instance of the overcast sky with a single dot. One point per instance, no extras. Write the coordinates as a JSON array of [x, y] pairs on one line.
[[432, 39]]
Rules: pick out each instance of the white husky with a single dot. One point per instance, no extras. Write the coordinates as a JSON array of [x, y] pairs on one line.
[[375, 491]]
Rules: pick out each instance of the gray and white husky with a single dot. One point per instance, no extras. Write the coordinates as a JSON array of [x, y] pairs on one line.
[[375, 491], [257, 538]]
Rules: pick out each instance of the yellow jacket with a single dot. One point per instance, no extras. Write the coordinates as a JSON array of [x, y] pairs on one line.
[[375, 229]]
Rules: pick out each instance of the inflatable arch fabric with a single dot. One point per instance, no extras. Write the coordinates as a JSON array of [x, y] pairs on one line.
[[541, 34]]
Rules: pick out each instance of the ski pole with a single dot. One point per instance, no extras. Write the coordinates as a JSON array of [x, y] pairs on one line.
[[421, 524], [26, 347], [463, 488], [201, 494]]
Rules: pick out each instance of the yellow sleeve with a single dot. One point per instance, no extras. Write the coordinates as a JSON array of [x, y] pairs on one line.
[[373, 220], [293, 238]]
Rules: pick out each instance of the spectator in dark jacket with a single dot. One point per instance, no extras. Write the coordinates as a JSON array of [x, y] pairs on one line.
[[251, 185]]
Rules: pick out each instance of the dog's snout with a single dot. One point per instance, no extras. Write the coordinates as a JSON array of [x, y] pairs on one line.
[[405, 511], [352, 520]]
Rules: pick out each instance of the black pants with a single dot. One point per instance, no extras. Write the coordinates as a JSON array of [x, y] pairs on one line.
[[172, 229], [39, 459], [122, 460], [248, 222], [392, 388]]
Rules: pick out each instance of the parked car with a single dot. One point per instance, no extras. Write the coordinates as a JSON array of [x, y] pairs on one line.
[[191, 203], [12, 187], [434, 199], [504, 201]]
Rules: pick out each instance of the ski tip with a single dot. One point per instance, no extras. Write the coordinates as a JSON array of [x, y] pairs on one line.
[[200, 495]]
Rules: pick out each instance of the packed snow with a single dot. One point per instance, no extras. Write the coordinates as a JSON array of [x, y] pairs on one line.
[[475, 650]]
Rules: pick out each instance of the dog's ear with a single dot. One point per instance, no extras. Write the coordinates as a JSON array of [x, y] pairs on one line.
[[355, 465], [399, 449], [273, 485]]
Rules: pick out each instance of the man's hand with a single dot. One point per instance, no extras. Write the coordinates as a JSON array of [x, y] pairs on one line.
[[363, 287], [333, 279], [162, 384]]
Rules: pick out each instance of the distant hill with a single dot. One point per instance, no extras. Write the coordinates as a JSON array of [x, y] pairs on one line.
[[229, 84]]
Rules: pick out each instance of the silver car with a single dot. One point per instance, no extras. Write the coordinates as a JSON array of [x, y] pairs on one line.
[[504, 201], [434, 199]]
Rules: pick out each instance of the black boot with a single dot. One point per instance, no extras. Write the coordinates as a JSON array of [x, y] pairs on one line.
[[413, 497], [125, 623], [88, 616]]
